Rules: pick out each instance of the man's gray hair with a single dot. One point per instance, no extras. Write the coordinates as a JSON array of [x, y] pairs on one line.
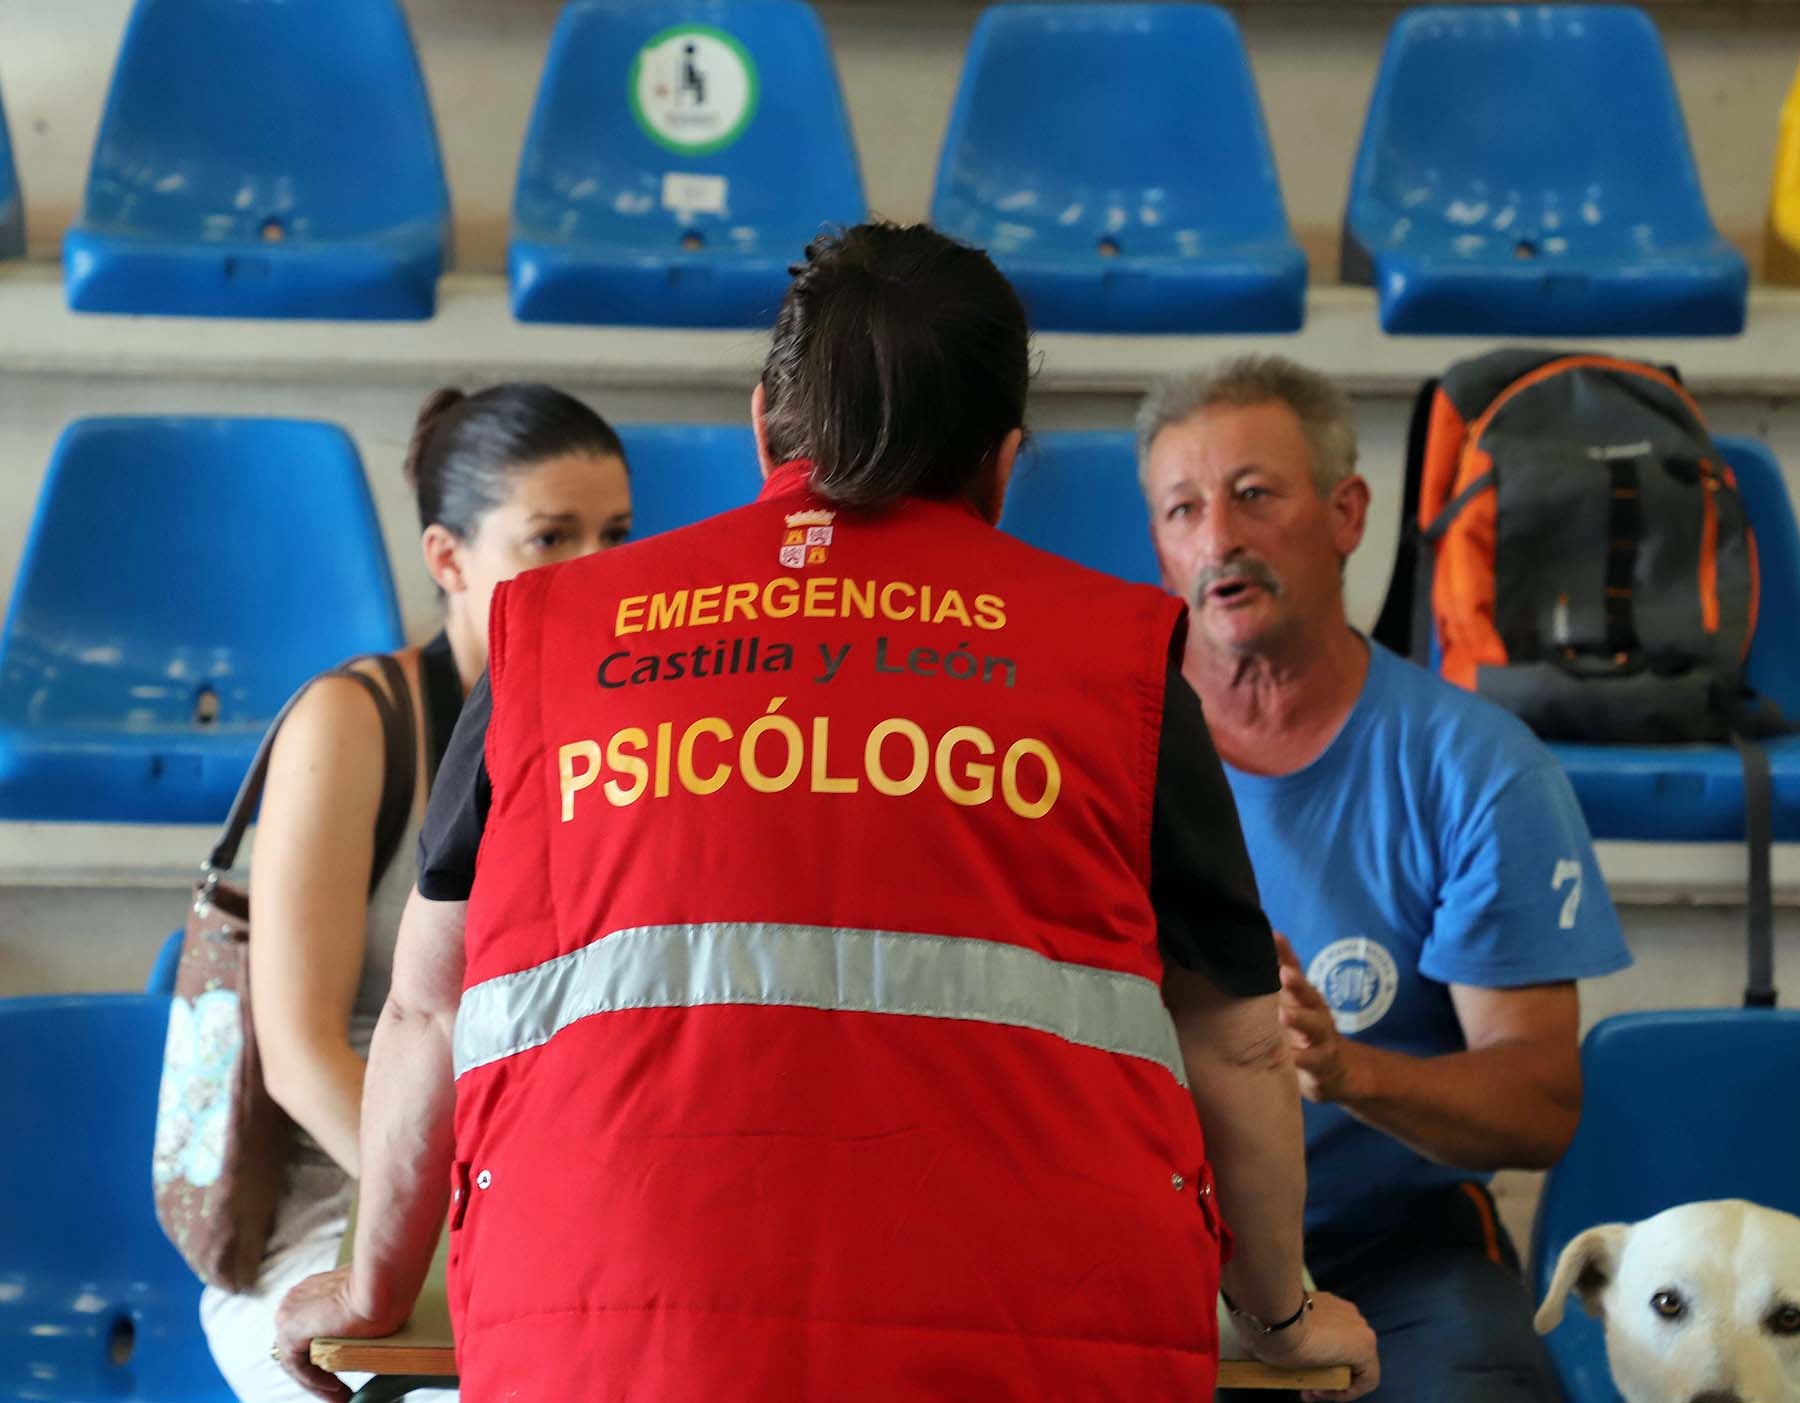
[[1321, 407]]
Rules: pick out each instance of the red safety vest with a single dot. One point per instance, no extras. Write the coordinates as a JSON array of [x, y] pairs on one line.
[[812, 1044]]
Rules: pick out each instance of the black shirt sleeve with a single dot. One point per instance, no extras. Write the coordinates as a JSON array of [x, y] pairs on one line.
[[457, 811], [1209, 917]]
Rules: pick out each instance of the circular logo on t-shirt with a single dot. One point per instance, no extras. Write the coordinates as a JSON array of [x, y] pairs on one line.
[[1358, 978], [694, 89]]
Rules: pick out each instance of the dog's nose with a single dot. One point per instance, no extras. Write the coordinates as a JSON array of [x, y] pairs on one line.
[[1716, 1395]]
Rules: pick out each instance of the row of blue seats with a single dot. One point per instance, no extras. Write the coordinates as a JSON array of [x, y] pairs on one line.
[[94, 1303], [139, 667], [1522, 171]]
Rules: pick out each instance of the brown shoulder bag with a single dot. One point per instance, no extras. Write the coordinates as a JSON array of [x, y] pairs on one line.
[[222, 1143]]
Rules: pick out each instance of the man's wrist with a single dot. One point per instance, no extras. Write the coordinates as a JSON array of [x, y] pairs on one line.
[[1277, 1348], [1357, 1073], [1266, 1328]]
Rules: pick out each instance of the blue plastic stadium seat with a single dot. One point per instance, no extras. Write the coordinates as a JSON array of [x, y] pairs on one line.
[[1675, 1109], [259, 158], [681, 155], [94, 1302], [181, 577], [1526, 171], [1113, 160], [683, 473], [12, 204], [1076, 493], [1696, 792]]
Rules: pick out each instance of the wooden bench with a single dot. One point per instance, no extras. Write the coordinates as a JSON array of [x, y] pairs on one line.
[[412, 1360], [423, 1355]]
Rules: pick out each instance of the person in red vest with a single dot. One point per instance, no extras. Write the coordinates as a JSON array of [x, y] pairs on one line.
[[832, 935]]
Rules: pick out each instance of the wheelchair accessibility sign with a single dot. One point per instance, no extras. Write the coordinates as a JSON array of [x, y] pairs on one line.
[[1358, 978], [694, 89]]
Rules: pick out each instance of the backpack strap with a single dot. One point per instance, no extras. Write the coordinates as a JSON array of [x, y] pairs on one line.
[[1625, 536], [1397, 627], [399, 774], [443, 695], [1441, 523], [1425, 567], [1759, 989]]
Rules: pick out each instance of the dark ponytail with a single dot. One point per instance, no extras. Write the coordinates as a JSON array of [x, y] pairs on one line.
[[899, 364], [464, 447]]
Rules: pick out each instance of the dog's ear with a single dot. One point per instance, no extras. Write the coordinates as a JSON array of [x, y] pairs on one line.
[[1586, 1267]]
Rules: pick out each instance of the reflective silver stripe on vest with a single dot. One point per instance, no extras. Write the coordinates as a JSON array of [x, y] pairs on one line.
[[852, 971]]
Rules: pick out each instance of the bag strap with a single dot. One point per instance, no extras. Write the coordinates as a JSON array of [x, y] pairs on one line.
[[1759, 989], [400, 774], [1625, 537], [1434, 533], [400, 768], [443, 695], [1424, 546], [1423, 625], [1397, 627]]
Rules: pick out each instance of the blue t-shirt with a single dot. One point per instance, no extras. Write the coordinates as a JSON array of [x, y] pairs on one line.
[[1434, 842]]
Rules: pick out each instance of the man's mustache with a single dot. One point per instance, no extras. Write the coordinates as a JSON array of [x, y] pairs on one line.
[[1243, 567]]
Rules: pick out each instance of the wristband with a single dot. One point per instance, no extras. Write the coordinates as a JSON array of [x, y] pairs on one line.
[[1257, 1324]]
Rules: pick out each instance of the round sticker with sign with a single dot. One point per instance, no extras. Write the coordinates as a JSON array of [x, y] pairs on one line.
[[694, 89]]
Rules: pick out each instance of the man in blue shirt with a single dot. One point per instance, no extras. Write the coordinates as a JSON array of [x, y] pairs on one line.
[[1426, 861]]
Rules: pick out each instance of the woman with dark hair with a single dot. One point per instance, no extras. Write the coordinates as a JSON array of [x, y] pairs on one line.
[[515, 476], [855, 936]]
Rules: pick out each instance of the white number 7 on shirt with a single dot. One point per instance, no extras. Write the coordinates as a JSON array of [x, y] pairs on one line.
[[1568, 870]]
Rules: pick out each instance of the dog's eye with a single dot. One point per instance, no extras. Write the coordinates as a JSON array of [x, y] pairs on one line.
[[1669, 1305], [1785, 1320]]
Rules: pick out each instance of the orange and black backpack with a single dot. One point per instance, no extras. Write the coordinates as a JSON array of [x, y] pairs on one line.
[[1579, 551]]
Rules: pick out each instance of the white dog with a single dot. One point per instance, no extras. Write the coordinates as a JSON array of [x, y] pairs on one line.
[[1701, 1303]]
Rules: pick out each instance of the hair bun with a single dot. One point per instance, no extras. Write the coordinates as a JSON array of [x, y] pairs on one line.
[[437, 404]]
